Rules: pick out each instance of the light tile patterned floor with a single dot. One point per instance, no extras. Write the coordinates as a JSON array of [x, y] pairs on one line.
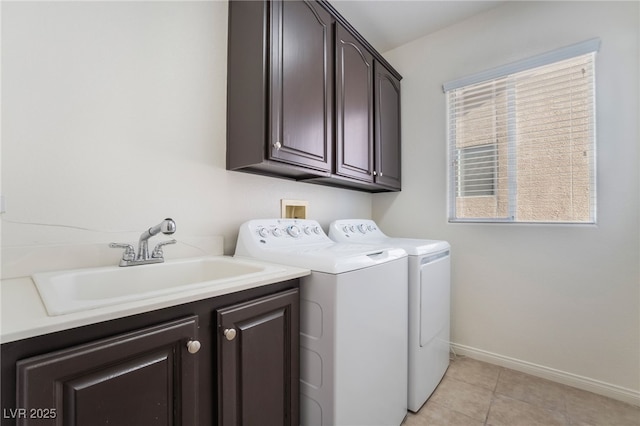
[[474, 393]]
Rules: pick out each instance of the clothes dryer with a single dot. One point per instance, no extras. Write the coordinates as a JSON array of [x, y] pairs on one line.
[[429, 300], [353, 321]]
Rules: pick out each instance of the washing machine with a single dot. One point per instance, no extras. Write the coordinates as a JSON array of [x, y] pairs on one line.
[[353, 321], [429, 300]]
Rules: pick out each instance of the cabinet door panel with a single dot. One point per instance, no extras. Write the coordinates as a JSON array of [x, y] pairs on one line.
[[301, 84], [388, 159], [136, 392], [258, 368], [354, 107], [144, 377]]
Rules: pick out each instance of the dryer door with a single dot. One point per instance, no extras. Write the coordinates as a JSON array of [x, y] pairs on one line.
[[434, 295]]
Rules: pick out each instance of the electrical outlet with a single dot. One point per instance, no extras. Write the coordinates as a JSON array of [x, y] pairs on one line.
[[294, 209]]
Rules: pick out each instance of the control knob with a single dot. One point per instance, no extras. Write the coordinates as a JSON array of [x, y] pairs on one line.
[[263, 232], [294, 231], [276, 232], [362, 228]]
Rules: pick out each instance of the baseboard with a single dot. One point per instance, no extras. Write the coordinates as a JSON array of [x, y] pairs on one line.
[[619, 393]]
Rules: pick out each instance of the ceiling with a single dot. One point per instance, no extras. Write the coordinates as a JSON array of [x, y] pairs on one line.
[[387, 24]]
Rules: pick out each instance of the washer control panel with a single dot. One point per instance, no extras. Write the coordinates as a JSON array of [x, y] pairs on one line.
[[283, 232]]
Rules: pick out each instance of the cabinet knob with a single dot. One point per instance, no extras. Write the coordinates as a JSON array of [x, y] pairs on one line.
[[375, 173], [277, 145], [230, 333], [193, 346]]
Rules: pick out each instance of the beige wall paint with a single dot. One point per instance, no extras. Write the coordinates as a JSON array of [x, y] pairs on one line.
[[114, 117], [562, 297]]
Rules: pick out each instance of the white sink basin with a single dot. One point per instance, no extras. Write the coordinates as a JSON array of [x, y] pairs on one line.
[[76, 290]]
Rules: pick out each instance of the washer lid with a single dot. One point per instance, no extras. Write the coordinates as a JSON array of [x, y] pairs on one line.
[[304, 244], [365, 231]]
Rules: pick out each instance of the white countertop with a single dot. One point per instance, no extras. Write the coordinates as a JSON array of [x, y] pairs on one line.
[[24, 315]]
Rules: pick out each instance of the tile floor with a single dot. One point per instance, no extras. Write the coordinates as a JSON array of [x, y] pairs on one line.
[[474, 393]]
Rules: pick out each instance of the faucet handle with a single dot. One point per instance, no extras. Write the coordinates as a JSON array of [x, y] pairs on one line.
[[129, 252], [157, 251]]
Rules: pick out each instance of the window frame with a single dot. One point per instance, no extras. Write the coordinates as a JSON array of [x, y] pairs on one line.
[[587, 47]]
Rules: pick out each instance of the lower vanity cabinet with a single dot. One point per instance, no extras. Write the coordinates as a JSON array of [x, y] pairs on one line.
[[258, 359], [164, 367], [147, 377]]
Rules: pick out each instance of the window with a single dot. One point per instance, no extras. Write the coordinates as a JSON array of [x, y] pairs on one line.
[[522, 140]]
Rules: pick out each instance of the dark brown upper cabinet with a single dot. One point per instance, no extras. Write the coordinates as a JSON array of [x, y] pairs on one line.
[[280, 88], [354, 108], [309, 99], [387, 133]]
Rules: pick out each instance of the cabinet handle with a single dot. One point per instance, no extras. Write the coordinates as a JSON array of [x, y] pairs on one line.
[[230, 333], [193, 346], [277, 145]]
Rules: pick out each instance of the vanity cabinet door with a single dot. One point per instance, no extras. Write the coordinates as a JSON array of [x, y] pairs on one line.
[[258, 361], [387, 119], [354, 107], [146, 377]]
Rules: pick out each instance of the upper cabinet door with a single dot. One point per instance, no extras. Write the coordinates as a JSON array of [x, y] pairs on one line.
[[354, 108], [301, 84], [388, 159]]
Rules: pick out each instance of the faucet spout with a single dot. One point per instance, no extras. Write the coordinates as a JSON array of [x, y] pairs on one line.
[[167, 227]]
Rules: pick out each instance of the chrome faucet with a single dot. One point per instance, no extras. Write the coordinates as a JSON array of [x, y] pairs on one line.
[[129, 257]]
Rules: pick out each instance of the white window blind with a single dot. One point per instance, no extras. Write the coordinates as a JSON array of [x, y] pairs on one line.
[[522, 144]]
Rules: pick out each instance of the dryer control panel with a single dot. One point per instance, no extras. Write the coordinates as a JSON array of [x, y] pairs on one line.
[[365, 231], [355, 230]]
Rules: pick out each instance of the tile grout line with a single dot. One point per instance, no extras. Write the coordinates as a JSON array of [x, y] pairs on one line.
[[562, 410], [493, 396]]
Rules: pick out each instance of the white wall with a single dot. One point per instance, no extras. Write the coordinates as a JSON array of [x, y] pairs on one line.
[[537, 297], [114, 117]]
